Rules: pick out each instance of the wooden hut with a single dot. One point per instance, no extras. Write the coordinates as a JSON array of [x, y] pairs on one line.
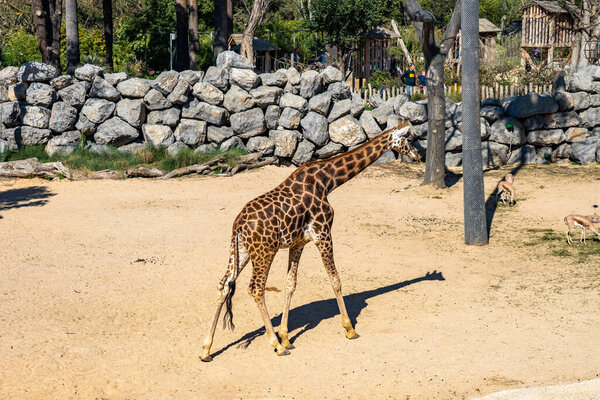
[[372, 53], [265, 53], [487, 44], [546, 25]]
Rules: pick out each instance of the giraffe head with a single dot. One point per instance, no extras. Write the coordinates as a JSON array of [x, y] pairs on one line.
[[402, 138]]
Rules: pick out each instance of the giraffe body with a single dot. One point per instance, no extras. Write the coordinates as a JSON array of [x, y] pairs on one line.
[[289, 216]]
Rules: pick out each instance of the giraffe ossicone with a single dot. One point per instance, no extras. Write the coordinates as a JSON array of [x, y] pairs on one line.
[[289, 216]]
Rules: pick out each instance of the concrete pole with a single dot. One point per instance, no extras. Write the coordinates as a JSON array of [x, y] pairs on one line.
[[473, 194]]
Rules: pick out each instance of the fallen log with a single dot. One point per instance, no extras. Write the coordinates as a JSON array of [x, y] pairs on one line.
[[142, 172], [242, 166], [33, 168], [107, 174], [193, 169]]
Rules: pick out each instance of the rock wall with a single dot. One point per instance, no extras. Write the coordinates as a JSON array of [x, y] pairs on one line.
[[296, 117]]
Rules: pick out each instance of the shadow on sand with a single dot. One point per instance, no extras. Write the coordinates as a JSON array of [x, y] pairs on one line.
[[308, 316], [33, 196]]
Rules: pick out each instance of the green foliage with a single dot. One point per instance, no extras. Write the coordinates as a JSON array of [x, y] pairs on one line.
[[19, 47]]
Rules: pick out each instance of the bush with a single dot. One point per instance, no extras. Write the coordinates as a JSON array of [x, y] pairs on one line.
[[18, 48]]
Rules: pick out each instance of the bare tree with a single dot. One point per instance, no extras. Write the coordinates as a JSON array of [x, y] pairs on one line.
[[72, 35], [47, 17], [587, 27], [223, 25], [193, 34], [107, 12], [435, 58], [182, 56], [259, 8]]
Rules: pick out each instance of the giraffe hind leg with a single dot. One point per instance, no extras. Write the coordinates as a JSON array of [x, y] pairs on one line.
[[290, 287]]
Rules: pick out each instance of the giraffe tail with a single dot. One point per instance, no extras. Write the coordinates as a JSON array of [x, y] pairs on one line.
[[228, 317]]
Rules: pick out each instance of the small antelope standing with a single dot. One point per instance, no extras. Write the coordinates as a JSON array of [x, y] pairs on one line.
[[506, 188], [582, 222]]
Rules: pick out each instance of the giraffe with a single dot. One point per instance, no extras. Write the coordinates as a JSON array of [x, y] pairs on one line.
[[290, 216]]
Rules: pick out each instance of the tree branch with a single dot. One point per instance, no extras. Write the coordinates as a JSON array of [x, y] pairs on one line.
[[452, 29]]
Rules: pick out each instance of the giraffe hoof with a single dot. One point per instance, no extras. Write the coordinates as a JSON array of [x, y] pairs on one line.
[[352, 335], [290, 346], [283, 352], [206, 358]]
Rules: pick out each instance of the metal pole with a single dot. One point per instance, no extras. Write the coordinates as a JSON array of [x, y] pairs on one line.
[[473, 193], [171, 38]]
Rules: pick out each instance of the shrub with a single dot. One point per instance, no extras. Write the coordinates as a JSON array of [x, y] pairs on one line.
[[18, 48]]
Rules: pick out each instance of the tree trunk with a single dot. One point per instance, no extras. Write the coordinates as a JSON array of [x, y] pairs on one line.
[[194, 41], [47, 16], [108, 32], [182, 55], [259, 8], [223, 26], [72, 35]]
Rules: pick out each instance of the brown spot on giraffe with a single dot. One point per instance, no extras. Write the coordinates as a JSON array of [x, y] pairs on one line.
[[291, 215]]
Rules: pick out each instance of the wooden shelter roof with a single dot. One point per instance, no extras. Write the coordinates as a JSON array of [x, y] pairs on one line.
[[553, 7], [258, 44], [381, 33], [485, 26]]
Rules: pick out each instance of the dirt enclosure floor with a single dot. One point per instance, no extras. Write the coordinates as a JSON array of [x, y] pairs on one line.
[[107, 288]]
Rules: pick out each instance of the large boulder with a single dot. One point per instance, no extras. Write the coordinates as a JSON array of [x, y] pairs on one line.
[[414, 112], [207, 112], [191, 77], [310, 84], [453, 139], [74, 95], [453, 114], [398, 101], [115, 78], [10, 114], [218, 77], [63, 117], [331, 74], [63, 144], [531, 104], [134, 87], [260, 144], [40, 94], [494, 154], [576, 134], [294, 77], [347, 131], [277, 78], [304, 152], [237, 100], [27, 135], [244, 78], [552, 121], [369, 124], [85, 126], [340, 109], [208, 93], [491, 113], [18, 91], [584, 151], [548, 137], [169, 117], [290, 118], [564, 100], [249, 123], [339, 91], [231, 59], [590, 118], [133, 111], [320, 103], [285, 142], [330, 149], [314, 128], [166, 82], [382, 113], [179, 94], [3, 94], [232, 143], [155, 100], [272, 115], [88, 72], [297, 102], [581, 80], [175, 148], [508, 130], [562, 151], [191, 132], [36, 116], [581, 100], [266, 95], [104, 90], [158, 135], [115, 132], [453, 159], [219, 134], [35, 71], [9, 75], [98, 110]]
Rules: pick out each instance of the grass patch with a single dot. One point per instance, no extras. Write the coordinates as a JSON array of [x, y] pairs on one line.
[[149, 157], [555, 244]]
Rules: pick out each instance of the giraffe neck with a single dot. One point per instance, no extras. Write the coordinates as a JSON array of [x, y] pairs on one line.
[[342, 168]]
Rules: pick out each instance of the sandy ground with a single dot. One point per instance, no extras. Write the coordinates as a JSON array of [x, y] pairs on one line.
[[107, 288]]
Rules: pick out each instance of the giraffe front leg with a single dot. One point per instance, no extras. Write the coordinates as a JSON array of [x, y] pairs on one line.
[[290, 287], [205, 356], [325, 246]]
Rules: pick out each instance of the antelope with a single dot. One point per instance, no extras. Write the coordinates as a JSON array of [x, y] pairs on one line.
[[582, 222], [506, 188]]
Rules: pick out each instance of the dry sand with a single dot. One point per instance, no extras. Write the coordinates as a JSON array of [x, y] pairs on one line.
[[107, 288]]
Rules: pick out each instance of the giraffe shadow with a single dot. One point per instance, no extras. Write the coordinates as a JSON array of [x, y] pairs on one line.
[[308, 316]]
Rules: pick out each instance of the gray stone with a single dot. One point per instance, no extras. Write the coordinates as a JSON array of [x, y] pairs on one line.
[[104, 90], [382, 113], [576, 134], [133, 111], [231, 143], [314, 128], [266, 95], [543, 155], [584, 151], [191, 77], [9, 76], [10, 114], [564, 100], [347, 131], [369, 124], [277, 78], [65, 143], [237, 99], [61, 82], [522, 155], [453, 114], [501, 134], [330, 149], [562, 151], [63, 117], [340, 109], [179, 94], [289, 88], [320, 103], [272, 115], [590, 118], [552, 121], [293, 76], [28, 135], [491, 113], [386, 157], [155, 100], [310, 84], [392, 121], [3, 94], [101, 149], [40, 94], [17, 92], [494, 154], [134, 87], [581, 81], [88, 72], [285, 142], [339, 91], [399, 101], [485, 128], [36, 116], [115, 132], [6, 146], [175, 148], [297, 102], [420, 131], [166, 82], [595, 100], [546, 137], [191, 132], [219, 134], [304, 152], [249, 123], [581, 100], [231, 59], [35, 71], [414, 112], [115, 78], [158, 135], [205, 148], [531, 104], [376, 101], [357, 107], [218, 77], [85, 126], [244, 78], [260, 144], [453, 139], [290, 118], [331, 74], [453, 159], [74, 95], [132, 148], [98, 110], [169, 117]]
